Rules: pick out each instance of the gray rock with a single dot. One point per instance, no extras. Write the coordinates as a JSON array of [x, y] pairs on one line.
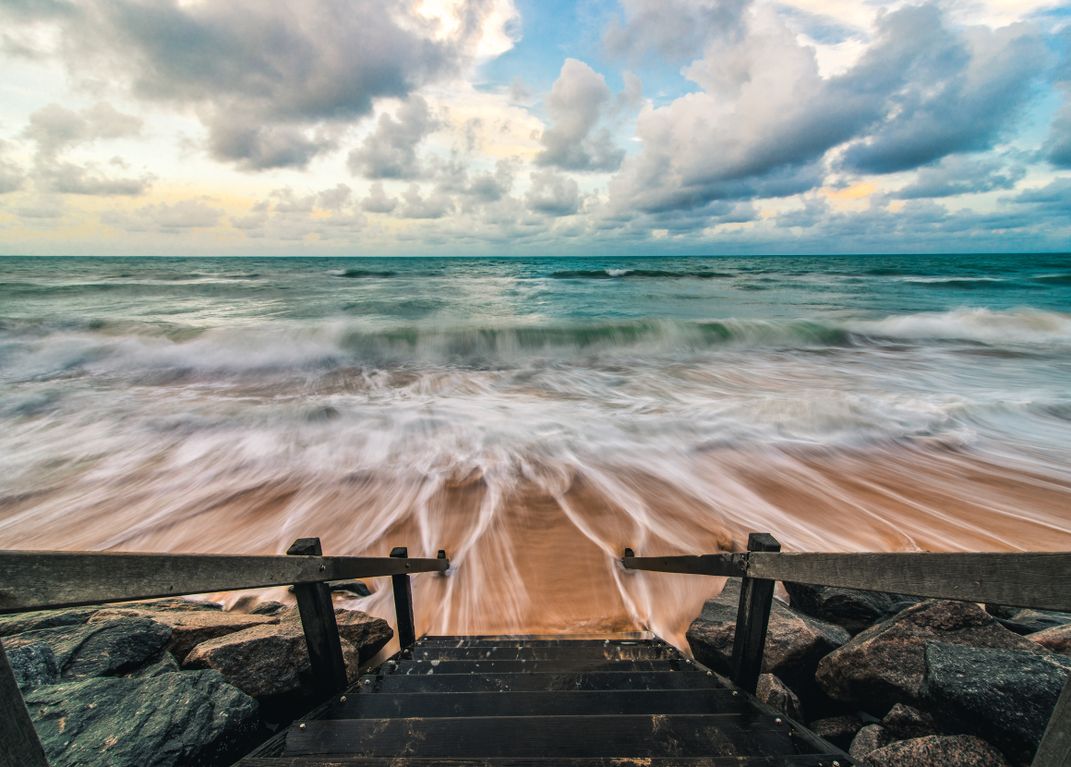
[[19, 623], [188, 627], [884, 665], [366, 633], [1057, 639], [99, 649], [267, 608], [165, 664], [1026, 621], [853, 610], [870, 738], [176, 719], [33, 665], [794, 643], [351, 588], [1003, 695], [937, 751], [838, 730], [776, 694], [904, 722]]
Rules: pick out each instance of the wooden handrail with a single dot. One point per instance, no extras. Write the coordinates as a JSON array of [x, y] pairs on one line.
[[1034, 580]]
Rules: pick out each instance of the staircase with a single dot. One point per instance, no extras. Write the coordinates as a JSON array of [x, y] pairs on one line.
[[526, 702]]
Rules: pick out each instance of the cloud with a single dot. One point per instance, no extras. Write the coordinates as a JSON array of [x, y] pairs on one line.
[[390, 151], [435, 205], [962, 175], [377, 200], [12, 176], [676, 30], [553, 194], [270, 78], [577, 104], [167, 218], [943, 91], [1053, 198]]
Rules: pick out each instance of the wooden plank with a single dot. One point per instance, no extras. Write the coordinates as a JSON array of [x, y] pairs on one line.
[[418, 667], [597, 651], [433, 705], [321, 630], [544, 736], [41, 580], [752, 619], [403, 602], [703, 564], [594, 680], [798, 760], [1055, 747], [515, 641], [19, 744], [1040, 581]]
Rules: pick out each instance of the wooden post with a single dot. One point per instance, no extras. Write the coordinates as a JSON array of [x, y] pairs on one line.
[[403, 602], [321, 629], [19, 745], [1055, 747], [752, 619]]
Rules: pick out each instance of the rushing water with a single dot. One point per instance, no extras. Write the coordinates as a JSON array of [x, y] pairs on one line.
[[535, 416]]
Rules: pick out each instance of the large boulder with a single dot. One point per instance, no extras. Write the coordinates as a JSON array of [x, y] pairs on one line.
[[99, 649], [904, 722], [839, 730], [1057, 639], [852, 609], [937, 751], [885, 664], [177, 719], [273, 660], [1005, 696], [19, 623], [188, 627], [869, 739], [794, 643], [777, 695]]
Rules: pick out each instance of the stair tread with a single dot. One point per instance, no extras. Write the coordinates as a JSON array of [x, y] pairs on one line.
[[568, 665], [591, 680], [631, 736], [548, 652], [795, 760]]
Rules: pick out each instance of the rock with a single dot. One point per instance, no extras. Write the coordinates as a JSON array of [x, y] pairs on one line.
[[165, 664], [937, 751], [177, 719], [870, 738], [264, 661], [99, 649], [838, 730], [351, 588], [884, 665], [1005, 696], [19, 623], [904, 722], [794, 643], [1057, 639], [366, 633], [189, 627], [268, 608], [33, 665], [1026, 621], [172, 604], [853, 610], [774, 693]]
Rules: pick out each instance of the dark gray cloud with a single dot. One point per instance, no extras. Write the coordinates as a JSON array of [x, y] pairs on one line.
[[958, 174], [578, 138], [264, 75], [553, 194], [943, 91], [676, 30], [1053, 198], [1058, 146], [390, 151]]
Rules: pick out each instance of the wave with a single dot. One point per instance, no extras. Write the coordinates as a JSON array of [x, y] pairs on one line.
[[357, 274], [1054, 279], [612, 274], [986, 326], [965, 283]]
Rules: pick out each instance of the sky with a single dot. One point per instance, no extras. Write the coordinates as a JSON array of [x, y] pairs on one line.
[[519, 127]]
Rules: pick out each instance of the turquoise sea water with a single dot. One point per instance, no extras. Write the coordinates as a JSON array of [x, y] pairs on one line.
[[166, 386]]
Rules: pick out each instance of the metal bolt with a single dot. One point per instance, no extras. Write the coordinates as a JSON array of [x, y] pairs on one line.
[[777, 721], [323, 568], [710, 673], [301, 726], [836, 764], [736, 693], [342, 699]]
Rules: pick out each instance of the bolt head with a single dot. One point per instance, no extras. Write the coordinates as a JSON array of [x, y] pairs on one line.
[[778, 721], [342, 699], [836, 764], [301, 726]]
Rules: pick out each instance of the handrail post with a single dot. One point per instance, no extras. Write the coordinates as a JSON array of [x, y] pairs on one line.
[[1055, 747], [21, 746], [403, 602], [321, 629], [752, 619]]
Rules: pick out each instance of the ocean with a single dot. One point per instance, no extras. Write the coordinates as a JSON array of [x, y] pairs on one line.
[[535, 416]]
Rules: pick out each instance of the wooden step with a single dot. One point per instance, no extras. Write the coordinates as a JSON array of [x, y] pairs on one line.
[[595, 680], [797, 760], [524, 641], [638, 736], [530, 666], [433, 705], [546, 652]]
